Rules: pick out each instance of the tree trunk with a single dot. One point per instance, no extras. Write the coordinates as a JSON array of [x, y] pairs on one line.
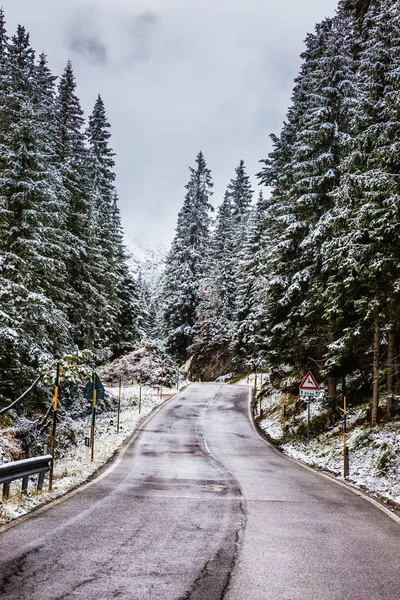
[[332, 387], [390, 371], [331, 380], [375, 374]]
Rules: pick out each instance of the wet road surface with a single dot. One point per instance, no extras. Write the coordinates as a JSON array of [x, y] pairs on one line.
[[200, 508]]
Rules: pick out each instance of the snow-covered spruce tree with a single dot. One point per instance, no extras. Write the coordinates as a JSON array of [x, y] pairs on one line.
[[102, 231], [217, 308], [84, 300], [117, 323], [241, 194], [130, 305], [3, 116], [32, 270], [250, 324], [186, 261], [304, 169], [367, 251], [217, 294], [319, 150]]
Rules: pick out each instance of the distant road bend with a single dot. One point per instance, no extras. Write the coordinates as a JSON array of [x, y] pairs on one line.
[[201, 508]]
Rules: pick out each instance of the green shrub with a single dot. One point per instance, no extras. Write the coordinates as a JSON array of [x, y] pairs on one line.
[[363, 439], [386, 460]]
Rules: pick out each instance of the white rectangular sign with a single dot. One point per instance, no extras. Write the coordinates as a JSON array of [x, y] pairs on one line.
[[309, 392]]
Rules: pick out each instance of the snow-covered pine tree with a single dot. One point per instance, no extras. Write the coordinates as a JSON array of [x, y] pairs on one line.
[[130, 306], [250, 330], [3, 116], [101, 177], [116, 323], [33, 322], [319, 150], [304, 170], [366, 252], [85, 300], [241, 194], [216, 308], [186, 261]]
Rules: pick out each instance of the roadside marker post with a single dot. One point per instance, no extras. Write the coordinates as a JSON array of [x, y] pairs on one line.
[[345, 448], [140, 393], [119, 403], [94, 390], [53, 432], [93, 417], [309, 388], [284, 411], [161, 381]]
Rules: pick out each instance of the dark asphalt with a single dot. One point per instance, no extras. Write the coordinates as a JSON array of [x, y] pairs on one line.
[[200, 508]]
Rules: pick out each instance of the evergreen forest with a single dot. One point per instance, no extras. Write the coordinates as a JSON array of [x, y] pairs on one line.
[[65, 286], [300, 274], [305, 274]]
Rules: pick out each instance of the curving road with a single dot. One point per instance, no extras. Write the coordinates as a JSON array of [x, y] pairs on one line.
[[201, 508]]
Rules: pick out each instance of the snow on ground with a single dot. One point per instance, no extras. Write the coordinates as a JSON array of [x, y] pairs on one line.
[[374, 453], [262, 378], [74, 467]]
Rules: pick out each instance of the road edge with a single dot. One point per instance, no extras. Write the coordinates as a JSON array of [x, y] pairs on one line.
[[102, 471], [343, 484]]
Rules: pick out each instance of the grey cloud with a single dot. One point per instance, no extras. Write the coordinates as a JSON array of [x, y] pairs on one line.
[[90, 48], [85, 38], [176, 76], [143, 33]]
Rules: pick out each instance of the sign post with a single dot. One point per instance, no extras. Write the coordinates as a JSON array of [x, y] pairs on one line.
[[140, 393], [119, 403], [94, 404], [309, 388], [284, 411], [53, 431], [345, 449], [94, 390], [161, 381]]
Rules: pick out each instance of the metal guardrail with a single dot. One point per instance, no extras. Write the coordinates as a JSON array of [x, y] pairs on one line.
[[23, 469]]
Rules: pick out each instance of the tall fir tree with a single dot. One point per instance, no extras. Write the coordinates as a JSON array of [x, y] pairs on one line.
[[34, 324], [85, 301], [366, 254], [186, 262]]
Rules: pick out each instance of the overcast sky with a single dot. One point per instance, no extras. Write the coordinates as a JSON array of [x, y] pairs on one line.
[[176, 76]]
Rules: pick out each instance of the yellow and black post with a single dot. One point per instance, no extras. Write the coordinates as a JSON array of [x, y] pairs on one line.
[[119, 402], [284, 410], [161, 382], [345, 449], [140, 393], [53, 432], [93, 417]]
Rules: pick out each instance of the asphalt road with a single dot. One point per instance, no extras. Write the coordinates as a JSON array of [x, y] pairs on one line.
[[201, 508]]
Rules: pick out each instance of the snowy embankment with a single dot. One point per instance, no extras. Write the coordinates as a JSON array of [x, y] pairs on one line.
[[374, 453], [73, 465]]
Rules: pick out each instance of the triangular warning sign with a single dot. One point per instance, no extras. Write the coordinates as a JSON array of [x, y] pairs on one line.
[[309, 382]]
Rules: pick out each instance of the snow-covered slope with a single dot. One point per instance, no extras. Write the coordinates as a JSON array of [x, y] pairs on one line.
[[147, 260]]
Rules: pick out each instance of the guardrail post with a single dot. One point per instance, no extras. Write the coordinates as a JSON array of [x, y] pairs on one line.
[[40, 481], [25, 481], [6, 490]]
